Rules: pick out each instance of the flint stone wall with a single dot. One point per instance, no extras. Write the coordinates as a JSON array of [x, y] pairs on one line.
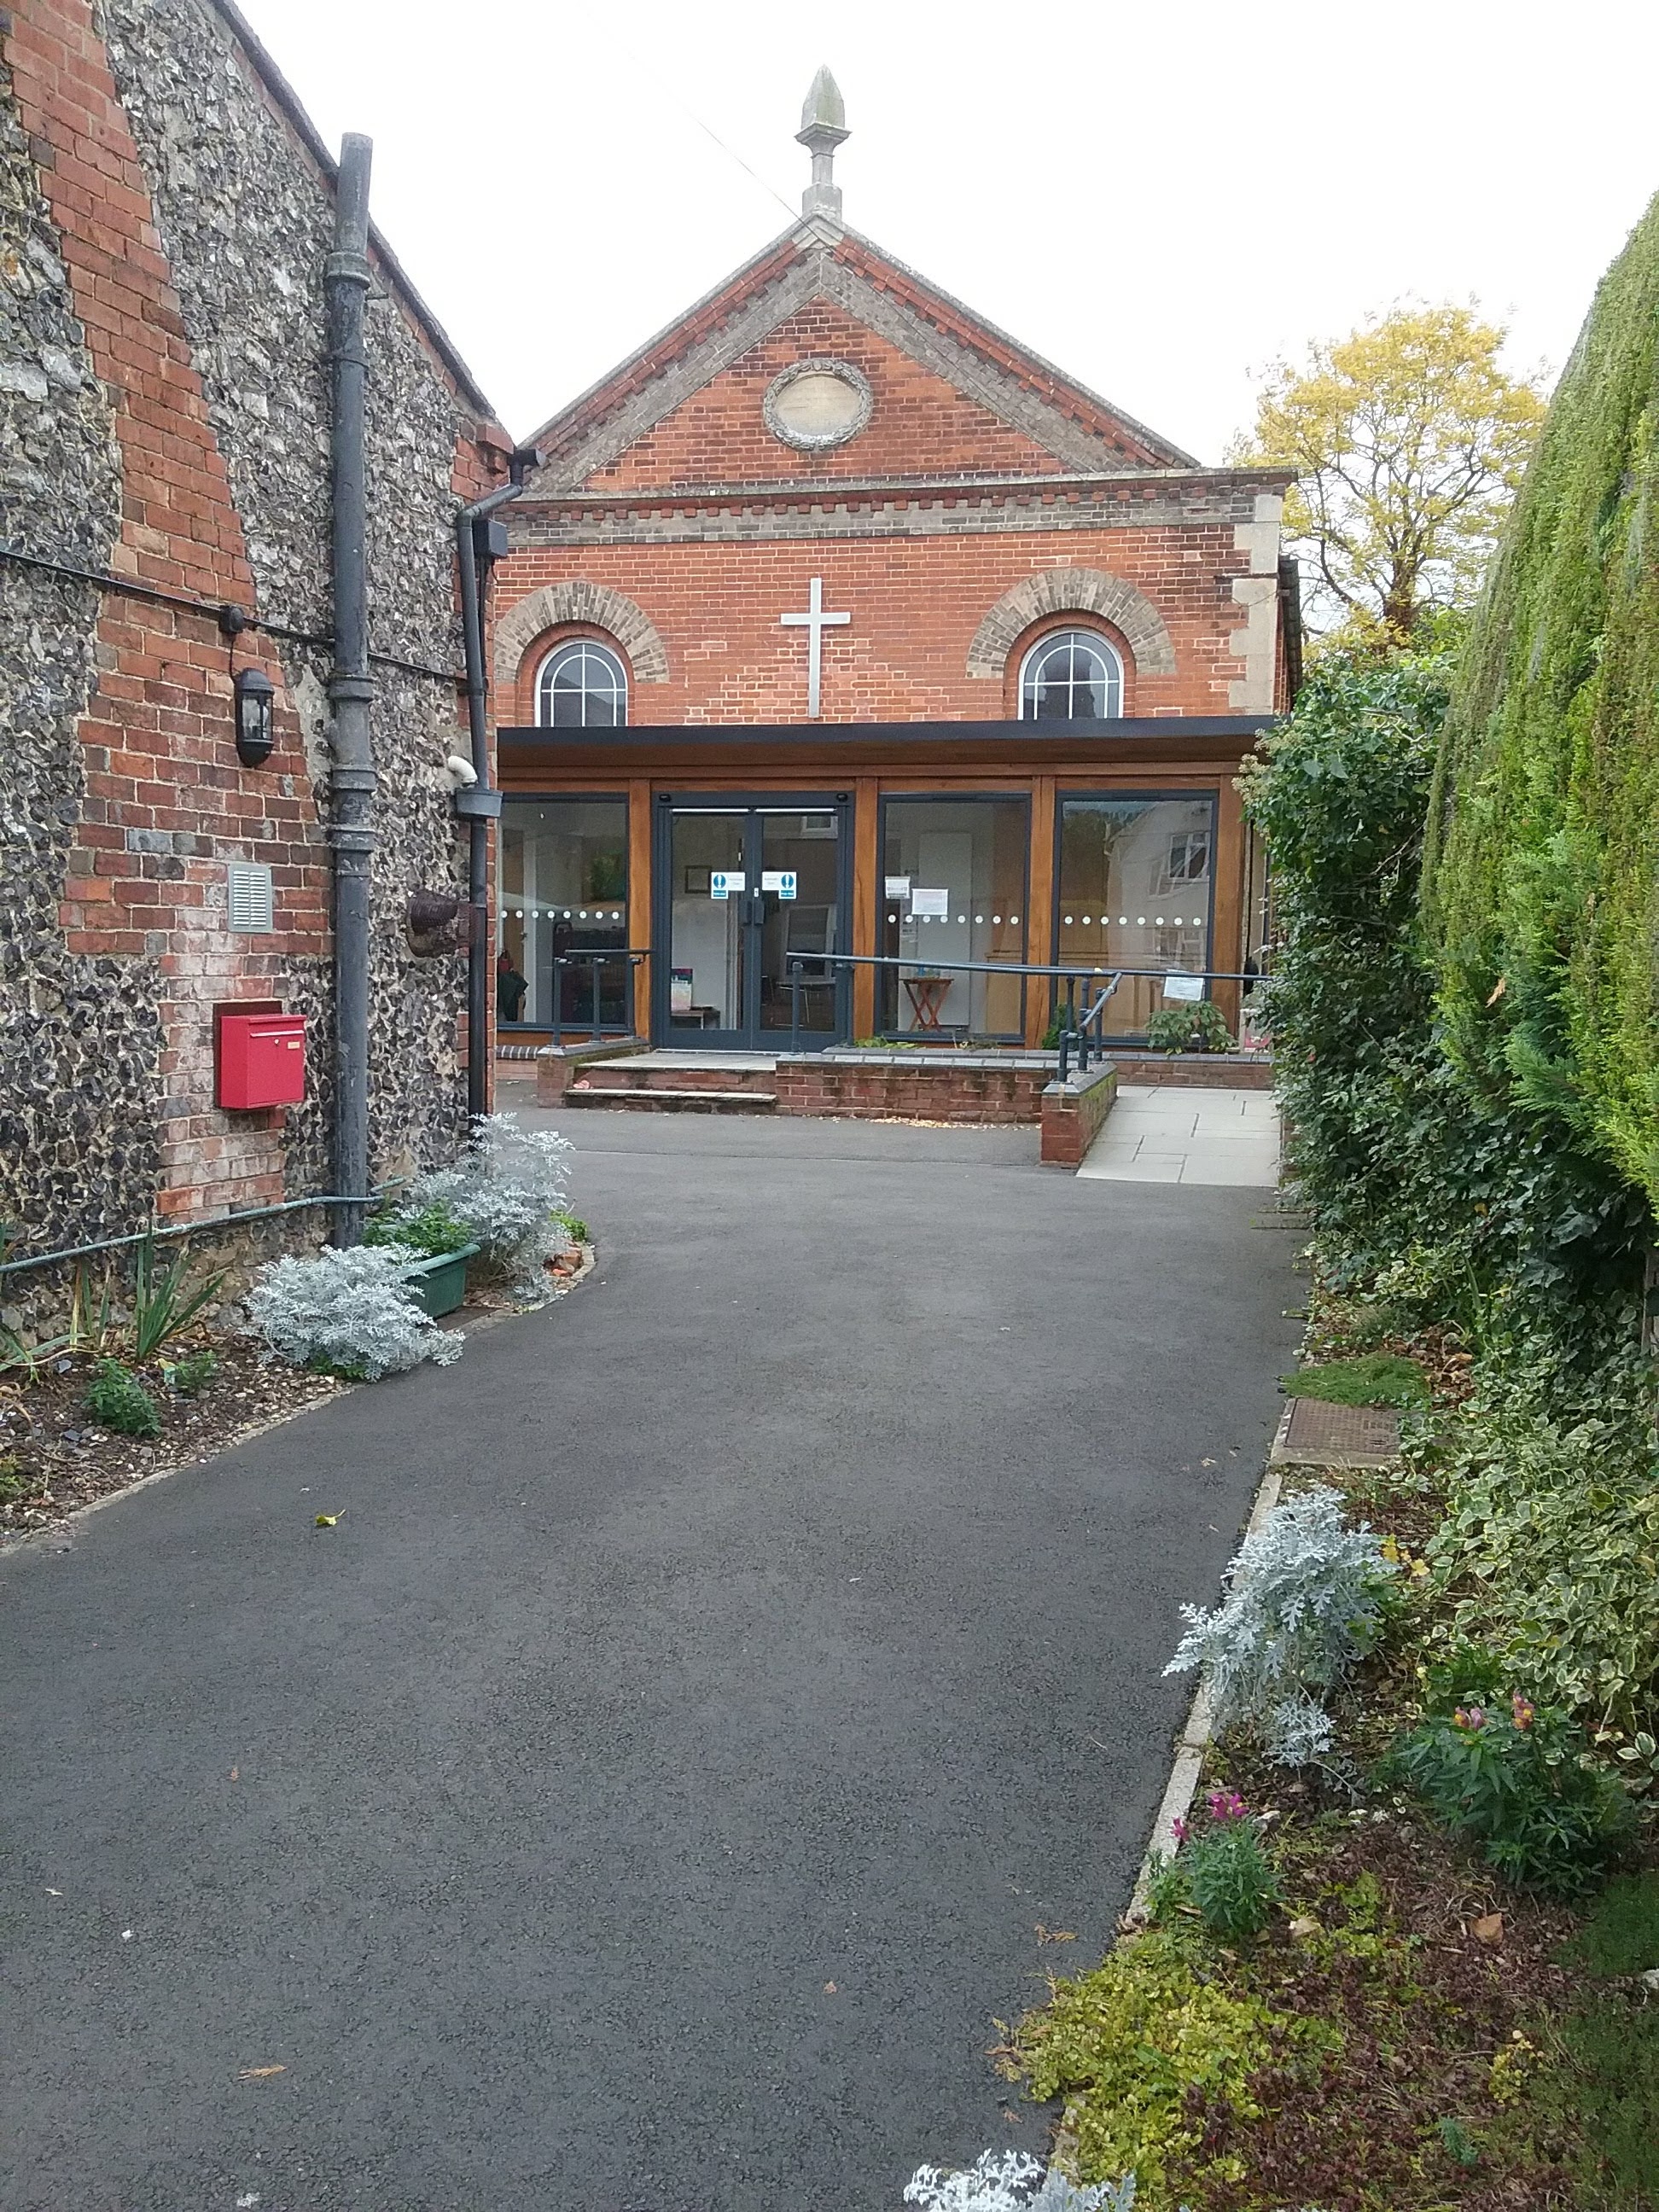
[[80, 1037], [106, 1059]]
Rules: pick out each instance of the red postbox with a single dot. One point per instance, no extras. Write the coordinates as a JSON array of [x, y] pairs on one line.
[[261, 1057]]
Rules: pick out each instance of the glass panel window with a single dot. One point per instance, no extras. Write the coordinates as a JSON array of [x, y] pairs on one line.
[[1134, 892], [562, 892], [581, 686], [953, 876], [1073, 677]]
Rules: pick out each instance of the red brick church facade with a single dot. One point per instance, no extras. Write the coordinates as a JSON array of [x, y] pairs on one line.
[[1057, 635]]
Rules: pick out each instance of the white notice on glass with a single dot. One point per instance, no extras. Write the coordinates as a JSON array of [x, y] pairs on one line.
[[1189, 987], [780, 880], [927, 906], [898, 887], [722, 882]]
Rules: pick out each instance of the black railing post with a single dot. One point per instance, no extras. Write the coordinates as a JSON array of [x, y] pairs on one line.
[[794, 1005], [558, 998]]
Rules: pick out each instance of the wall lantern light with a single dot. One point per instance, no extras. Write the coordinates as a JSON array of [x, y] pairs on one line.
[[255, 695]]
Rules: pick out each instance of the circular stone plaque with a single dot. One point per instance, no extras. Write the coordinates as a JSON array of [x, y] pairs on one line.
[[817, 403]]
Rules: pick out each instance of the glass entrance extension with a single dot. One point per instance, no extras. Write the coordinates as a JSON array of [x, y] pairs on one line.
[[1134, 884], [953, 876], [744, 892]]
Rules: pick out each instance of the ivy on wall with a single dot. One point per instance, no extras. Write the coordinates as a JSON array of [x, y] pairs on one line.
[[1541, 867]]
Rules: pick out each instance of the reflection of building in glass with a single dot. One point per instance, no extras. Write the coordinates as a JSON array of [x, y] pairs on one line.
[[1134, 892]]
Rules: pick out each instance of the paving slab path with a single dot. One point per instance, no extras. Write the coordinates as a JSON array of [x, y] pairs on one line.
[[721, 1692]]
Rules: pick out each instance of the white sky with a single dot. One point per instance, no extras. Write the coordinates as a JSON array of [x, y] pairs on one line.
[[1161, 199]]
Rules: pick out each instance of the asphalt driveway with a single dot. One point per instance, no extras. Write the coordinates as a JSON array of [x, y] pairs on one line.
[[648, 1796]]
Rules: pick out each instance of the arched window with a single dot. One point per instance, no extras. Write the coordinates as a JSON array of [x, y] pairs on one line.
[[581, 686], [1073, 676]]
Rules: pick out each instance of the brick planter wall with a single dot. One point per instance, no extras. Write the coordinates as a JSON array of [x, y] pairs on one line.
[[912, 1087], [1203, 1071], [1072, 1113]]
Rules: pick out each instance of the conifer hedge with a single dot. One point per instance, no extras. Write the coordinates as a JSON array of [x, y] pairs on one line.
[[1541, 864]]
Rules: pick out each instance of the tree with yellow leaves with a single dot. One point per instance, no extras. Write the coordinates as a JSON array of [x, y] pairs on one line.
[[1409, 440]]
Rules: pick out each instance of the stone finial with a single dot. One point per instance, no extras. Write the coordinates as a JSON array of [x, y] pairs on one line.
[[823, 127]]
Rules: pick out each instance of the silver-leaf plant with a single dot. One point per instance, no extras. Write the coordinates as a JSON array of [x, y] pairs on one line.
[[352, 1312], [506, 1190], [1301, 1605], [1014, 2181]]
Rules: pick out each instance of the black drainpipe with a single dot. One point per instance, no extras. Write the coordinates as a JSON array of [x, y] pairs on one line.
[[478, 806], [346, 280]]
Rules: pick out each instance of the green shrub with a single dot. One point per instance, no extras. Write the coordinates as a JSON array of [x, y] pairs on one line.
[[13, 1482], [1222, 1870], [1378, 1378], [1200, 1027], [191, 1375], [1544, 849], [1546, 1559], [1515, 1781], [118, 1401], [1133, 2047], [165, 1305], [1621, 1935], [429, 1230]]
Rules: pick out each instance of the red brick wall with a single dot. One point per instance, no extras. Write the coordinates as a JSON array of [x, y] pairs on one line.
[[901, 1091], [919, 424], [915, 605], [161, 759], [167, 803], [1072, 1114]]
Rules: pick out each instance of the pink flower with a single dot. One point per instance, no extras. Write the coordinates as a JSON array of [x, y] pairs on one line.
[[1179, 1829], [1522, 1710], [1470, 1716], [1227, 1805]]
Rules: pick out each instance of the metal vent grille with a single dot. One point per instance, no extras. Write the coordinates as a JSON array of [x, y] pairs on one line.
[[252, 901]]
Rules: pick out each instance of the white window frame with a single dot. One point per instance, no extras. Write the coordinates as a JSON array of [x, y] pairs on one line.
[[1109, 655], [562, 651]]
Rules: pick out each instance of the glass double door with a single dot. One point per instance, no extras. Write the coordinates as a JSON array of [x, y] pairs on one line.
[[751, 896]]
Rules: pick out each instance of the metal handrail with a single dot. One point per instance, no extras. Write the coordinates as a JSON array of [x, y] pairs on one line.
[[594, 961], [1080, 1034], [1070, 975]]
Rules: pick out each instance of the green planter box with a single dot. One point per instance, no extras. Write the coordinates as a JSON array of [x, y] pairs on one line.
[[439, 1284]]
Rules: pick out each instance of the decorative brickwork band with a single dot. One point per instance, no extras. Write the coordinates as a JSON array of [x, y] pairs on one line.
[[579, 601], [1072, 591]]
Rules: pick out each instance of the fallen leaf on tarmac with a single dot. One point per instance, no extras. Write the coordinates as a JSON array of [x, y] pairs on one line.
[[1489, 1929], [126, 1935], [1053, 1935], [235, 1774], [830, 1989], [327, 1521], [259, 2073], [1207, 1462], [54, 1893]]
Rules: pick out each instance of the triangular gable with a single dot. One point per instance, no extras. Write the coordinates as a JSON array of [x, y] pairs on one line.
[[1066, 427]]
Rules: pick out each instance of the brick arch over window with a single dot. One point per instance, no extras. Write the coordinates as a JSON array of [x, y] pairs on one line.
[[1072, 591], [595, 604]]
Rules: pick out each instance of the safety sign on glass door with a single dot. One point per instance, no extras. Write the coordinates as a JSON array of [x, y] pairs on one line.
[[723, 882], [780, 880]]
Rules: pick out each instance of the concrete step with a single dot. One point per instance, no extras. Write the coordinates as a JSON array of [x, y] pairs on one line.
[[622, 1076], [664, 1098]]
